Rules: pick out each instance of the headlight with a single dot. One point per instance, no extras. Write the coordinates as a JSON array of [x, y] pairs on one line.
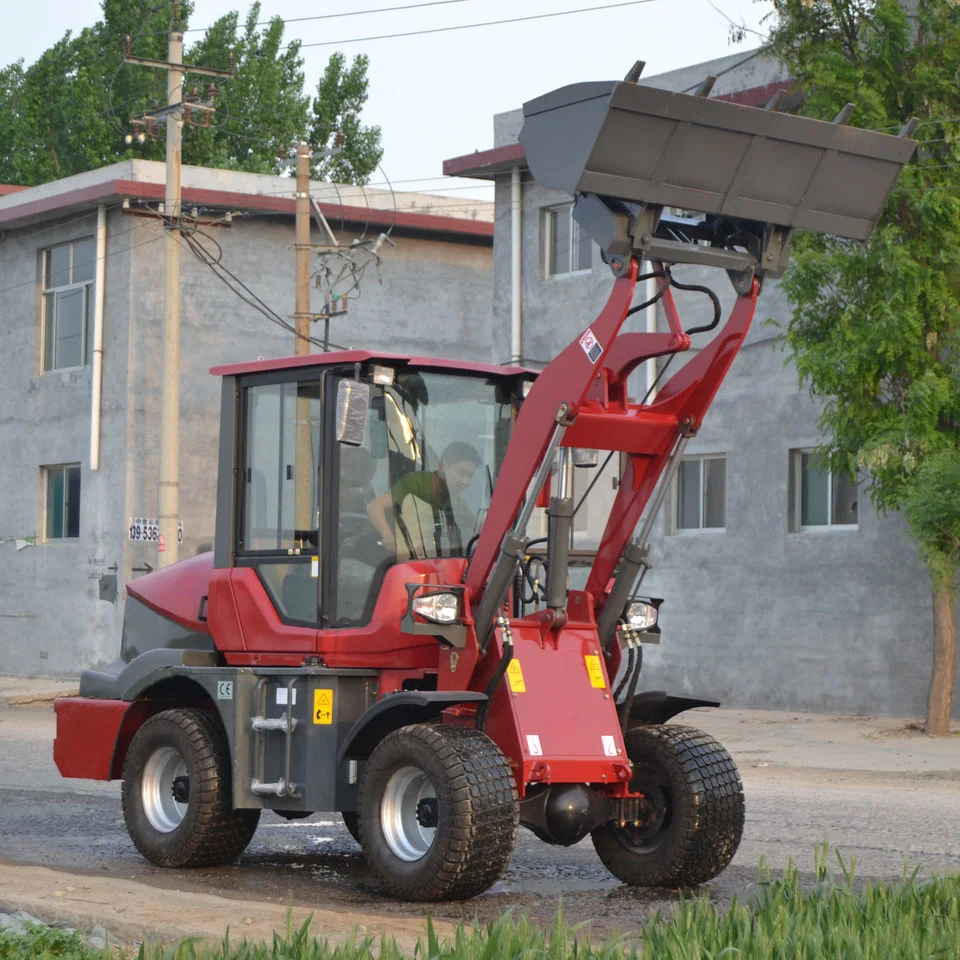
[[438, 607], [642, 614]]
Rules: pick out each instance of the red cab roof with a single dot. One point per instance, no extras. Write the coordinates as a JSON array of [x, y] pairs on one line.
[[362, 356]]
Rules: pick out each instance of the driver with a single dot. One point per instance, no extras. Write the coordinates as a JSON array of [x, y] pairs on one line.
[[458, 465]]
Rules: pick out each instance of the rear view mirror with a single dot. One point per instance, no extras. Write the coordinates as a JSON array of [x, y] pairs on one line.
[[353, 402]]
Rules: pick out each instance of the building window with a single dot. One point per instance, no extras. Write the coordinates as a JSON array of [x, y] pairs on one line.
[[818, 496], [67, 304], [702, 493], [567, 248], [62, 502]]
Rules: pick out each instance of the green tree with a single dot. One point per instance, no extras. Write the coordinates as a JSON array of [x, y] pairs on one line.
[[352, 150], [875, 327], [70, 111]]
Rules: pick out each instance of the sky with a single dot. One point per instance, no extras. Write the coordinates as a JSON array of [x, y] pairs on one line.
[[435, 95]]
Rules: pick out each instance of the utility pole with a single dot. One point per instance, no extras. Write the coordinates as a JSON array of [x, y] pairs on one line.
[[302, 302], [169, 486]]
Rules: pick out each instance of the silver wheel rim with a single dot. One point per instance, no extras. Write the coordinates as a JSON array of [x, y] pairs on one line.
[[406, 837], [160, 774]]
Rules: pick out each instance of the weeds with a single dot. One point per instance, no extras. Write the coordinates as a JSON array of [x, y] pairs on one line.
[[912, 920]]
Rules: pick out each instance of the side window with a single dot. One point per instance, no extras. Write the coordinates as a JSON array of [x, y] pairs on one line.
[[819, 498], [279, 529], [67, 286], [701, 493]]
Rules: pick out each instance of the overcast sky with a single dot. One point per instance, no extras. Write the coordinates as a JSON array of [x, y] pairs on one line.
[[435, 95]]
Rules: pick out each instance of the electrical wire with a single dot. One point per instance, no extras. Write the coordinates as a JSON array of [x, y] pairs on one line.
[[471, 26]]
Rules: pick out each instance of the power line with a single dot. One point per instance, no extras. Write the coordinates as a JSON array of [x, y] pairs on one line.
[[347, 13], [471, 26]]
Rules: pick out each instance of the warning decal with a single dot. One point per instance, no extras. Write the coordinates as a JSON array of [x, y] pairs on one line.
[[515, 677], [533, 745], [591, 346], [323, 706], [609, 746], [595, 670]]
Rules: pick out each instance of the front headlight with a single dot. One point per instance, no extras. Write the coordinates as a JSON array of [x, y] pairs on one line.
[[642, 614], [438, 607]]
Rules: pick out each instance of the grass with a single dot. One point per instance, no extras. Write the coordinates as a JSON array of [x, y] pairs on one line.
[[911, 920]]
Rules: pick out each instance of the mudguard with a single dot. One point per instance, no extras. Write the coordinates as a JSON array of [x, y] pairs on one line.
[[657, 706], [399, 710]]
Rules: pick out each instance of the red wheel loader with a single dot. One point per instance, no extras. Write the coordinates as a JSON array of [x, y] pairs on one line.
[[368, 636]]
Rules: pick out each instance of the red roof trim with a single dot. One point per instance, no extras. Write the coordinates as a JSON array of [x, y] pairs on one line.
[[248, 201], [757, 96], [480, 163], [362, 356], [7, 188]]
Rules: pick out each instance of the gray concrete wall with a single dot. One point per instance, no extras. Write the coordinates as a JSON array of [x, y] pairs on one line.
[[827, 620], [51, 618], [434, 298]]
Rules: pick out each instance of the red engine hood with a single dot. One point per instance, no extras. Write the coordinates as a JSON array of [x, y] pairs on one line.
[[176, 591]]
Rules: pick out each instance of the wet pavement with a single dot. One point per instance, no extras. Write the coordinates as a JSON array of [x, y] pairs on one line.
[[884, 819]]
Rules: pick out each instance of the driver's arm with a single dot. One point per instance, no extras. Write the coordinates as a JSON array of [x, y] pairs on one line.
[[378, 511]]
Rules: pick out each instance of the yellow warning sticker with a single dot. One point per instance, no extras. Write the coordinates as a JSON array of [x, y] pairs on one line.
[[515, 677], [595, 670], [323, 706]]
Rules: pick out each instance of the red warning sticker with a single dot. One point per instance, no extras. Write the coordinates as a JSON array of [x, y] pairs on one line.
[[591, 346]]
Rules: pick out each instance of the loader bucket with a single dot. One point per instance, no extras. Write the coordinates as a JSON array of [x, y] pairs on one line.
[[636, 143]]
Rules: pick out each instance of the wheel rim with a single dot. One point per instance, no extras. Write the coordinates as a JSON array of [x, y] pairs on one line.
[[405, 818], [165, 789], [656, 787]]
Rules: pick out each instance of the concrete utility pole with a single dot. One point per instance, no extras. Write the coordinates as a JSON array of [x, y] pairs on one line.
[[302, 307], [168, 551]]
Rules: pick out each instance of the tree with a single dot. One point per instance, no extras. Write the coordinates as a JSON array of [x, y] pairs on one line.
[[69, 111], [354, 151], [875, 328]]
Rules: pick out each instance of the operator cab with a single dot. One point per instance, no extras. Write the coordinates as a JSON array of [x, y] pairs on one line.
[[335, 467]]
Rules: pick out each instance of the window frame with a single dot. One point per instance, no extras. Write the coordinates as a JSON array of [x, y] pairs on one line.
[[699, 458], [547, 230], [796, 498], [47, 471], [47, 326]]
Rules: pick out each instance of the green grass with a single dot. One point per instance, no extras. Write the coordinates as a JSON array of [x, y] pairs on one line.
[[912, 920]]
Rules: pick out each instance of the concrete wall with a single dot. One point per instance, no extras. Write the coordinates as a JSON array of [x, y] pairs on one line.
[[434, 298], [837, 620], [51, 618]]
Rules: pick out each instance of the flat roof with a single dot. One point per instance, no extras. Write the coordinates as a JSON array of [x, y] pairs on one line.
[[363, 356], [254, 193]]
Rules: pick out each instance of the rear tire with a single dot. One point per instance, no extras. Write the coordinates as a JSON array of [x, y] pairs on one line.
[[177, 796], [694, 783], [438, 812]]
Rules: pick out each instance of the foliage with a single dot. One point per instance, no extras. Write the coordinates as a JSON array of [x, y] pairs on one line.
[[69, 111], [876, 327], [914, 920]]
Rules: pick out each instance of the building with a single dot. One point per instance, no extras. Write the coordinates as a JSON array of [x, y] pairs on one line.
[[783, 586], [68, 537]]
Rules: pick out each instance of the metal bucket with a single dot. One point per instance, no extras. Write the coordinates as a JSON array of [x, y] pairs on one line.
[[636, 143]]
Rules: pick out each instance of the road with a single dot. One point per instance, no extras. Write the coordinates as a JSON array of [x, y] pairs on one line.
[[884, 819]]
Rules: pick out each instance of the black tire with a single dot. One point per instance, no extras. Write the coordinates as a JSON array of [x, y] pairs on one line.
[[475, 810], [695, 785], [184, 750]]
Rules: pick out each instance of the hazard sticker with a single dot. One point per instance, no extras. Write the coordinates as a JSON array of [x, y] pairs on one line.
[[609, 746], [515, 677], [323, 706], [595, 670], [533, 745], [591, 346]]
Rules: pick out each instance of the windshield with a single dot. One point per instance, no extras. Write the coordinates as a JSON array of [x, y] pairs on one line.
[[420, 484]]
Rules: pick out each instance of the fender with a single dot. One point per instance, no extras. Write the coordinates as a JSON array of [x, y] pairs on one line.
[[656, 706], [399, 710], [126, 681]]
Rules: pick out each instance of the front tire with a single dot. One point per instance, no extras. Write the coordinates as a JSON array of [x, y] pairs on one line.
[[438, 812], [176, 793], [693, 783]]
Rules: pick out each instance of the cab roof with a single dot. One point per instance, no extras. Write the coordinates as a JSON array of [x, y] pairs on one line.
[[363, 356]]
